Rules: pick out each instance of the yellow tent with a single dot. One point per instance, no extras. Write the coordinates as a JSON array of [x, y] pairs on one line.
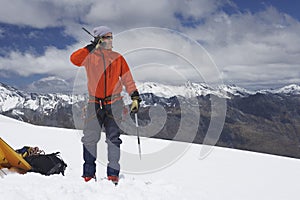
[[11, 159]]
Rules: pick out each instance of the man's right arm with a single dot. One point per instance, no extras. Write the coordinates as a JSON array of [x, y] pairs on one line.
[[78, 57]]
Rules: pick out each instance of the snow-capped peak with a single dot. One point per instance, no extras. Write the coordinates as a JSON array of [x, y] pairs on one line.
[[289, 89], [12, 98], [49, 84], [235, 90], [190, 89]]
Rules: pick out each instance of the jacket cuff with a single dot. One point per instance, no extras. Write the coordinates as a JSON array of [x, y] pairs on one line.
[[90, 47], [135, 95]]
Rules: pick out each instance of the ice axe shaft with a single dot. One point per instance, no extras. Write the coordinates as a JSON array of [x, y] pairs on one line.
[[88, 32], [96, 43], [138, 135]]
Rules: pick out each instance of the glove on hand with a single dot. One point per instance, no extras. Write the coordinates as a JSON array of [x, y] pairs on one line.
[[90, 47], [135, 106], [135, 97], [93, 44]]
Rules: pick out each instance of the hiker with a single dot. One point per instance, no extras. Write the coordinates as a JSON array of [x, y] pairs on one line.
[[107, 73]]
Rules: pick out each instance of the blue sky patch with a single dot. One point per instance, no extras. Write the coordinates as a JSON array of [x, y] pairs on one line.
[[25, 38], [290, 7], [15, 80], [190, 21]]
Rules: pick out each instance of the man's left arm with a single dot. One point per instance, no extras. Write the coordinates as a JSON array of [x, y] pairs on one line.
[[130, 86], [126, 77]]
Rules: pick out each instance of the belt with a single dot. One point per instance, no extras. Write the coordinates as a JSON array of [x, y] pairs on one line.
[[104, 101]]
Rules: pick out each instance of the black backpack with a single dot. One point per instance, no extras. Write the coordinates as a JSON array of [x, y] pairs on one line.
[[46, 164]]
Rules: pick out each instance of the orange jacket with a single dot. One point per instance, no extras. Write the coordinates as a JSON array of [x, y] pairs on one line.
[[107, 72]]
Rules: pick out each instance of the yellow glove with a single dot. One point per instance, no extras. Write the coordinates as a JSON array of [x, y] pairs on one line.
[[135, 97], [135, 106]]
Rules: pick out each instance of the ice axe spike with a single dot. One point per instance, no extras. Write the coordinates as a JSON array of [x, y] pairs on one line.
[[138, 135]]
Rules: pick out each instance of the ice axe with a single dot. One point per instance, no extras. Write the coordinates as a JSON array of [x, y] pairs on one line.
[[98, 40], [88, 32], [138, 135]]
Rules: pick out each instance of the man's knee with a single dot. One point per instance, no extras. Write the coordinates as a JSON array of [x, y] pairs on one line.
[[113, 136], [90, 137]]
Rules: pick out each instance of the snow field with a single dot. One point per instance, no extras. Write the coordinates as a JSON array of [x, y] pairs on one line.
[[223, 174]]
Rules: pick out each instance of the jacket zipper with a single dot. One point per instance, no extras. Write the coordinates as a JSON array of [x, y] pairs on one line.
[[104, 71]]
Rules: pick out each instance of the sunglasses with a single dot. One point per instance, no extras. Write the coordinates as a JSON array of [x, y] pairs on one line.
[[107, 37]]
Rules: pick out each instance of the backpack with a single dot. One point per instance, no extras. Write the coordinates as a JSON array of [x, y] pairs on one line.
[[47, 164], [42, 163]]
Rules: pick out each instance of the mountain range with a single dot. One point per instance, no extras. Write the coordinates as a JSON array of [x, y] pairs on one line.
[[265, 121]]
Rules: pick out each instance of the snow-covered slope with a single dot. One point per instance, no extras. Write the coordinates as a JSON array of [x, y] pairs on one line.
[[223, 174]]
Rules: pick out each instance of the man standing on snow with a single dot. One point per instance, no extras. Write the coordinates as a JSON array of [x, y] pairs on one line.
[[107, 72]]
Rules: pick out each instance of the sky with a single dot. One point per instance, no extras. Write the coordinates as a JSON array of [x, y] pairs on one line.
[[251, 44]]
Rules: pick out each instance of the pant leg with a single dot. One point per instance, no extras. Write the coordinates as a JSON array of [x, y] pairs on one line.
[[113, 140], [91, 136]]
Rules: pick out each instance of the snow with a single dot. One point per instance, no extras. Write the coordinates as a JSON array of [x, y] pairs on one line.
[[223, 174], [31, 104], [10, 103], [235, 90], [289, 89], [11, 98], [201, 89], [187, 90]]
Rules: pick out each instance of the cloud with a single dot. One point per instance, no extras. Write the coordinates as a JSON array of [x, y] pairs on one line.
[[49, 84], [165, 55], [156, 54], [253, 48], [249, 48], [24, 13], [119, 14], [54, 61], [134, 14]]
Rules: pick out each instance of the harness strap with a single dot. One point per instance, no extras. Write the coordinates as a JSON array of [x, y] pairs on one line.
[[105, 100]]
